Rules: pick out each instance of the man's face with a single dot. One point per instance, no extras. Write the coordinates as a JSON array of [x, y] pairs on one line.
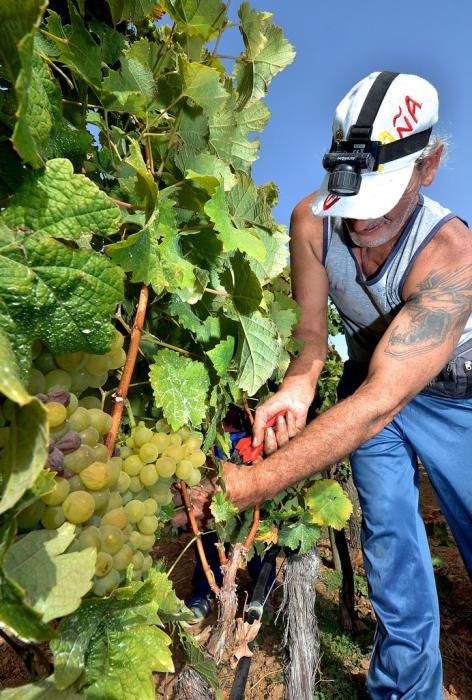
[[372, 233]]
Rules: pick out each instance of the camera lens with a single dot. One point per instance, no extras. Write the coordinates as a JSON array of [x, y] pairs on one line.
[[344, 180]]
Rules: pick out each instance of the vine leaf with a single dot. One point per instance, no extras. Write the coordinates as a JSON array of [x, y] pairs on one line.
[[259, 350], [204, 665], [25, 453], [153, 256], [301, 536], [232, 238], [221, 355], [133, 655], [128, 10], [202, 84], [54, 582], [285, 313], [15, 26], [133, 88], [76, 47], [242, 284], [229, 131], [328, 504], [180, 387], [39, 105], [10, 383], [42, 690], [15, 613], [267, 53], [59, 203], [196, 17], [63, 296], [205, 169], [115, 642], [222, 509]]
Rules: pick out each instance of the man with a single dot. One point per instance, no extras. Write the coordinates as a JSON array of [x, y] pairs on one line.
[[398, 267]]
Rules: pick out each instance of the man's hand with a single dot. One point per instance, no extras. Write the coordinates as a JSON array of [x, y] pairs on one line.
[[289, 407], [200, 497]]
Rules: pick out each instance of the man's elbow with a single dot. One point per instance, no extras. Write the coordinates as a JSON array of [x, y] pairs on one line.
[[385, 400]]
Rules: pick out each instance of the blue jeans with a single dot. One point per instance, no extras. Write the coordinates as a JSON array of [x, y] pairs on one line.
[[406, 661]]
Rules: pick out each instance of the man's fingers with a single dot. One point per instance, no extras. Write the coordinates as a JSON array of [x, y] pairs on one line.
[[270, 441], [291, 424], [281, 431]]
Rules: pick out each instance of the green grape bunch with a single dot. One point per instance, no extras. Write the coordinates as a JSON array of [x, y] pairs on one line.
[[116, 502]]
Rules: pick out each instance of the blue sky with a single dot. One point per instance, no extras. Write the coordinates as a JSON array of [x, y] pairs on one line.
[[337, 44]]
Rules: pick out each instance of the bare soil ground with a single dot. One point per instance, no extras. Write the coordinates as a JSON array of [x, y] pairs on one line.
[[345, 660]]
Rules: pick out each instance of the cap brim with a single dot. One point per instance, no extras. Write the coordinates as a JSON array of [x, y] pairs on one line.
[[378, 194]]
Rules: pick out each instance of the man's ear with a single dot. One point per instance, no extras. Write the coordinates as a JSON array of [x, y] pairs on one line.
[[430, 166]]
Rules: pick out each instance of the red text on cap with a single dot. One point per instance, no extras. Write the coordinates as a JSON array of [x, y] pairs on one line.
[[412, 106]]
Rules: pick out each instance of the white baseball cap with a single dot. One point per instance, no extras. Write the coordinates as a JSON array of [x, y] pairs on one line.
[[400, 109]]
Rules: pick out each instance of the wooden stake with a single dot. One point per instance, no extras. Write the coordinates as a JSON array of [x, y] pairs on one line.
[[195, 529], [121, 393]]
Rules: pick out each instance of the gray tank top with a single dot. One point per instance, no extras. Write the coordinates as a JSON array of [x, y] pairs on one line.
[[368, 307]]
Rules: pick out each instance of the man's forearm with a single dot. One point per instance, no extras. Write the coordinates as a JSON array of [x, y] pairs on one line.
[[308, 365]]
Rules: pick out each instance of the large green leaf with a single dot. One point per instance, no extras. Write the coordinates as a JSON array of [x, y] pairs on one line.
[[16, 23], [202, 84], [100, 633], [126, 671], [63, 296], [328, 504], [54, 582], [25, 453], [202, 17], [229, 131], [267, 53], [242, 284], [242, 239], [259, 350], [133, 88], [59, 203], [180, 387]]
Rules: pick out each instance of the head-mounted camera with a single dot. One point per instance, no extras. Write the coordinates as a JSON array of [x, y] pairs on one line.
[[347, 160]]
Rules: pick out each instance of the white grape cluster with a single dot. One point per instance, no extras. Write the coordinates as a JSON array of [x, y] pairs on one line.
[[114, 502]]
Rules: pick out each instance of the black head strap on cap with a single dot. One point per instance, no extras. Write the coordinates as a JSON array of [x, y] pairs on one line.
[[369, 110], [404, 147]]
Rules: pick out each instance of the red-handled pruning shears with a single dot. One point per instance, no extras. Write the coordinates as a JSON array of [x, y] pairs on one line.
[[244, 446]]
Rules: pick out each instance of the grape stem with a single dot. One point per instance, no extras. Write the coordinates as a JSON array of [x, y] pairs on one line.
[[198, 535], [128, 369]]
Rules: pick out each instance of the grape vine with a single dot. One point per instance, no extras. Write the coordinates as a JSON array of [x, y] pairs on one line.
[[143, 291]]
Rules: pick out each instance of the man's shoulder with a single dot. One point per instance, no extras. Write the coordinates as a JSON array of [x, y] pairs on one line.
[[303, 221], [449, 249]]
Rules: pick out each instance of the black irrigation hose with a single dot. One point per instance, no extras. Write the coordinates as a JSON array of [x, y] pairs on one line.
[[254, 612]]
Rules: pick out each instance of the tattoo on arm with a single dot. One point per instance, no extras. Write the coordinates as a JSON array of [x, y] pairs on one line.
[[437, 311]]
